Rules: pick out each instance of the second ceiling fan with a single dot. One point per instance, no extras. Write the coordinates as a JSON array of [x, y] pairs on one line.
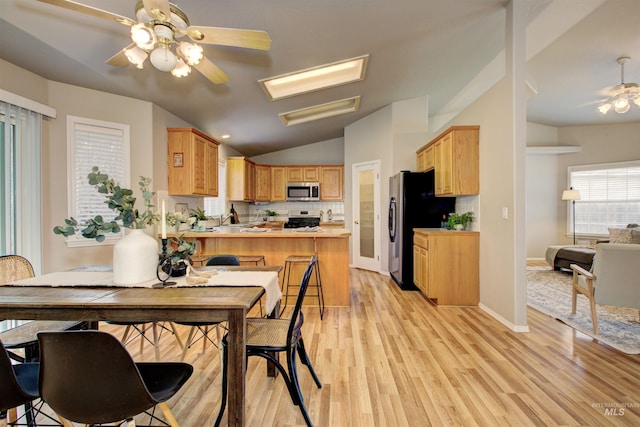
[[160, 25]]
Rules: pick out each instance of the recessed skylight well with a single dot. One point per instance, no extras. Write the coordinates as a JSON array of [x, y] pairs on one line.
[[321, 111], [316, 78]]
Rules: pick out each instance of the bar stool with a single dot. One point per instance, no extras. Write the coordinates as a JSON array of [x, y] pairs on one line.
[[287, 284], [257, 259]]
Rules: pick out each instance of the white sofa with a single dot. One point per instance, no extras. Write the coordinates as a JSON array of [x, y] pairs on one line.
[[613, 280]]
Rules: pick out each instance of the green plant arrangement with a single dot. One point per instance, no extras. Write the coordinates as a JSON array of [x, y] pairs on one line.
[[271, 213], [459, 219], [178, 252], [119, 199], [179, 249], [199, 215]]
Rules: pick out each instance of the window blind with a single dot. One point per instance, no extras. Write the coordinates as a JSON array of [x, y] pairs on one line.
[[609, 196], [216, 206], [101, 144]]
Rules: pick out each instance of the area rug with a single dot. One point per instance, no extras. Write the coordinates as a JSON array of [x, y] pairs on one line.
[[550, 292]]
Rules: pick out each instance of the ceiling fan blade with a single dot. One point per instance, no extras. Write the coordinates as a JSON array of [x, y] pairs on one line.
[[211, 71], [159, 9], [88, 10], [253, 39], [120, 59]]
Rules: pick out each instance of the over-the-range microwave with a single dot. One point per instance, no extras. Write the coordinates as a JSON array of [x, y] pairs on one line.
[[303, 191]]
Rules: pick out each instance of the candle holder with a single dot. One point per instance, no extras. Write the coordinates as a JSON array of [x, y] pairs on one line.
[[165, 267]]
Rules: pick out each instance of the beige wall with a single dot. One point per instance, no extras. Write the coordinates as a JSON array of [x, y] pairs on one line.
[[329, 152]]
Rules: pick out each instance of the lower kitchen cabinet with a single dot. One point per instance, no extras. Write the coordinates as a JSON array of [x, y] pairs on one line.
[[446, 265]]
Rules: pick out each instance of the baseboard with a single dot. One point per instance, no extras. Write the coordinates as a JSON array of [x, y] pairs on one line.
[[505, 322]]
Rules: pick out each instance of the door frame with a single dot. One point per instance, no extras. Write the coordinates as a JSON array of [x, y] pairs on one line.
[[375, 263]]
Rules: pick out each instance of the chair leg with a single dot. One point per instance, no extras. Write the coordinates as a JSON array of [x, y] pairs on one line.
[[295, 385], [175, 333], [156, 340], [187, 344], [304, 358], [168, 414], [223, 397]]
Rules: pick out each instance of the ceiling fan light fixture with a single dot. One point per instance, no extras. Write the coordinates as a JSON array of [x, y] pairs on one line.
[[136, 56], [621, 105], [604, 108], [191, 52], [162, 58], [181, 69], [143, 36]]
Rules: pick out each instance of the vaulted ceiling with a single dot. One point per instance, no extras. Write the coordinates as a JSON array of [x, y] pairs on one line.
[[446, 50]]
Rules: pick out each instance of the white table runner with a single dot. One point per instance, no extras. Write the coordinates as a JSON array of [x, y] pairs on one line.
[[266, 279]]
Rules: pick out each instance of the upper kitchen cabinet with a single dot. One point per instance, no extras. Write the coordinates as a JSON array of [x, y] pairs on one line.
[[241, 179], [455, 161], [425, 159], [193, 163], [278, 183], [303, 174], [263, 183], [332, 182]]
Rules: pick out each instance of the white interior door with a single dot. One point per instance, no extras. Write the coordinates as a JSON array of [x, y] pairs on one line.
[[366, 215]]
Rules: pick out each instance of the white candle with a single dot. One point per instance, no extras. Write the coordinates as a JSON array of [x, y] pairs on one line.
[[163, 222]]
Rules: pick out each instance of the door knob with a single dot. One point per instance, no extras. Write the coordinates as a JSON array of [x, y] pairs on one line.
[[356, 222]]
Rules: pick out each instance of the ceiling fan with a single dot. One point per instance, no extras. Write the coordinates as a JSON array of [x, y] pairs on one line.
[[620, 96], [160, 25]]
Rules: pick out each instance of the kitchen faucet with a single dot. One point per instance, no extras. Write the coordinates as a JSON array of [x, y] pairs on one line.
[[223, 218]]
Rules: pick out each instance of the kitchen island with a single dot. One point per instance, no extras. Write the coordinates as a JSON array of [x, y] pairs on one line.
[[331, 246]]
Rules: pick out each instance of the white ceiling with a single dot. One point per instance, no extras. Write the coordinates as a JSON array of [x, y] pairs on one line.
[[446, 50]]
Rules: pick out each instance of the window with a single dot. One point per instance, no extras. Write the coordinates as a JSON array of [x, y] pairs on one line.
[[216, 206], [609, 197], [94, 143], [20, 163]]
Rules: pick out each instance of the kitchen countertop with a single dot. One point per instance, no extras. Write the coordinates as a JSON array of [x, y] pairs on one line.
[[236, 231]]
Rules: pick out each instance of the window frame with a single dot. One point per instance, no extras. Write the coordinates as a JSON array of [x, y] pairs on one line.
[[570, 205], [73, 122]]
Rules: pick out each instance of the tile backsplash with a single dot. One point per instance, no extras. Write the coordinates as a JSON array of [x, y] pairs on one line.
[[249, 212]]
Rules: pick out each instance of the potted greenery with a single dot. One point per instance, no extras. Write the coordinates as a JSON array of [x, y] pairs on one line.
[[135, 256], [459, 221], [178, 252], [202, 220], [272, 215]]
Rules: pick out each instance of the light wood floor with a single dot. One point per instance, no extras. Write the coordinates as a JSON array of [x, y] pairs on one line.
[[393, 359]]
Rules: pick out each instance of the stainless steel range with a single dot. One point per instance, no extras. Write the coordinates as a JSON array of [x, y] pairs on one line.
[[299, 219]]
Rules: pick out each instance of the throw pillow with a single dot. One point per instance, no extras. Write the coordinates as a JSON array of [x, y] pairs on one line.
[[620, 235]]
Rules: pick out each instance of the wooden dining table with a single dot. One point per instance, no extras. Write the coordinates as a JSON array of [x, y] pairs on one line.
[[137, 304]]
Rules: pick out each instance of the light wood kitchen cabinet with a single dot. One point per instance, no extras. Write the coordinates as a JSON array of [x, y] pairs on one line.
[[332, 182], [448, 271], [263, 183], [455, 161], [278, 183], [193, 163], [241, 179], [303, 173], [420, 277], [425, 159]]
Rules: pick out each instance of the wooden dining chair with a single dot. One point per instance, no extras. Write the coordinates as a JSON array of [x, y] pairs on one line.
[[266, 336]]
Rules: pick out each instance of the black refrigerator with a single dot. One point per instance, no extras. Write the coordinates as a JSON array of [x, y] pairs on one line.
[[412, 204]]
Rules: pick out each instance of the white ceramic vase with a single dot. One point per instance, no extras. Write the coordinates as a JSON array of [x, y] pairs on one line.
[[135, 258]]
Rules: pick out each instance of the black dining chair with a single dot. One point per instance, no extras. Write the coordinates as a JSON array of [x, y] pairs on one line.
[[200, 330], [89, 377], [19, 386], [266, 336]]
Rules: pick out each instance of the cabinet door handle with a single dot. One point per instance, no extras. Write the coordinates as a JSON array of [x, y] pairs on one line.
[[356, 222]]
